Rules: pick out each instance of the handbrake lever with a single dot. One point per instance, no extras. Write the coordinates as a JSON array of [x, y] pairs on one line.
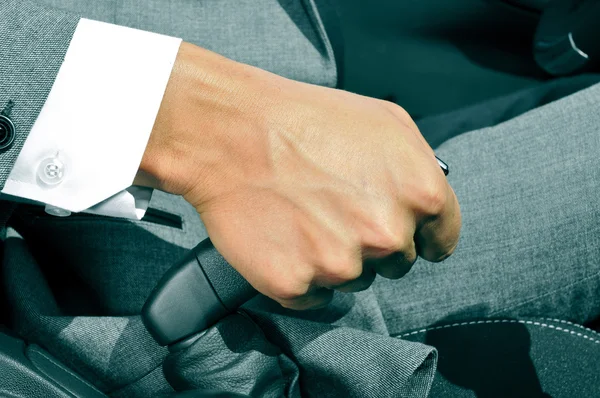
[[193, 295]]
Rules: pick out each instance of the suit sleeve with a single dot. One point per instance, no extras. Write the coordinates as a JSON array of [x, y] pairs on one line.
[[34, 42], [84, 149]]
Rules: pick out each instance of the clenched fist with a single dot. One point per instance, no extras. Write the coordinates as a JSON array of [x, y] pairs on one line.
[[302, 189]]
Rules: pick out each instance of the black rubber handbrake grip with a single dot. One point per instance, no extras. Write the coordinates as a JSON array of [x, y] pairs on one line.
[[194, 295]]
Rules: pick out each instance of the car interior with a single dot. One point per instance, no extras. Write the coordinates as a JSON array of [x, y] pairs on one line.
[[455, 66]]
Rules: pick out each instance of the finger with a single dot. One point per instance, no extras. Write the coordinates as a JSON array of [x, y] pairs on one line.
[[317, 297], [392, 253], [395, 265], [437, 235], [359, 284]]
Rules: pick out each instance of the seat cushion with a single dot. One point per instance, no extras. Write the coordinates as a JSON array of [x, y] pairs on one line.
[[513, 358]]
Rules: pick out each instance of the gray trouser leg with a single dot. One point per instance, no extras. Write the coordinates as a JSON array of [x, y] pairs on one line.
[[530, 243]]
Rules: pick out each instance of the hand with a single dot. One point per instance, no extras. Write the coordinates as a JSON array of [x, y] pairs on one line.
[[302, 189]]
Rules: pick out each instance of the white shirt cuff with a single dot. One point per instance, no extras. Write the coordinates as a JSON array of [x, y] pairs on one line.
[[130, 203], [86, 146]]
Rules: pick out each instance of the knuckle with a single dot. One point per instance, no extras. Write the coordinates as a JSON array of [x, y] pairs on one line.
[[433, 198], [388, 240], [446, 254], [340, 266], [288, 291], [400, 114], [395, 266], [396, 109], [292, 304], [396, 241], [297, 304], [344, 270], [317, 299], [360, 284], [411, 256], [404, 244]]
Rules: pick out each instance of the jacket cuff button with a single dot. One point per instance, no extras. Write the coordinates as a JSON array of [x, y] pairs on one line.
[[7, 133]]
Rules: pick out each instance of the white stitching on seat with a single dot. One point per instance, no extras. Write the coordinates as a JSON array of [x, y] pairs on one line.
[[490, 321], [572, 324]]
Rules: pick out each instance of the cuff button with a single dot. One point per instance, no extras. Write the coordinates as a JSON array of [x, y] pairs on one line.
[[51, 171], [7, 133], [57, 211]]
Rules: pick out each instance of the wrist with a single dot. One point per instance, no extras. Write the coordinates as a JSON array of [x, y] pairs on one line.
[[177, 131], [154, 169], [210, 128]]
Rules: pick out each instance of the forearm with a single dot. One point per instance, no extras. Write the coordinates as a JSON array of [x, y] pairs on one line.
[[208, 99]]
